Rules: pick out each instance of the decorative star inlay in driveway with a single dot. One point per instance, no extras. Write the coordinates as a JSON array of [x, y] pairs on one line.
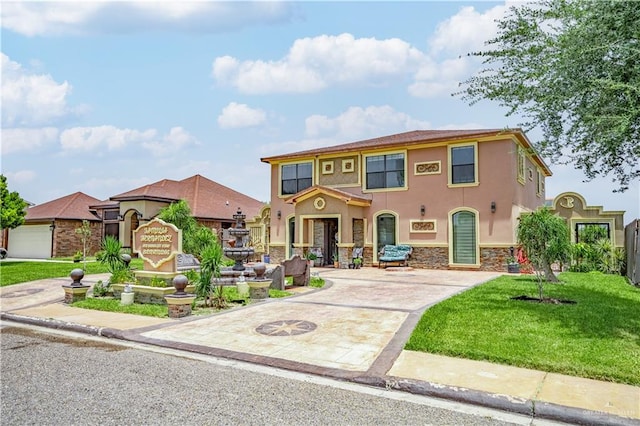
[[286, 328]]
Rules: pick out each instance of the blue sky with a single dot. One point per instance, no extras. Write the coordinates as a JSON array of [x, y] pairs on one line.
[[103, 97]]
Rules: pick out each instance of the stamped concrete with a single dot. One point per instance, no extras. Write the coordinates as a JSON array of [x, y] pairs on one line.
[[356, 318], [353, 329]]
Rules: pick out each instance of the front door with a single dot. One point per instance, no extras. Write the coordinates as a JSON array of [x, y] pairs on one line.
[[330, 239]]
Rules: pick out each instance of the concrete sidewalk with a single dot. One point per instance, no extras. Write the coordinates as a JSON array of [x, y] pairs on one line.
[[354, 329]]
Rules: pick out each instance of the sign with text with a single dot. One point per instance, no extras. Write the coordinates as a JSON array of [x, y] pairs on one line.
[[157, 242]]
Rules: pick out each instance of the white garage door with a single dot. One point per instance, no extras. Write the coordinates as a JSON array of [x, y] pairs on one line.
[[30, 241]]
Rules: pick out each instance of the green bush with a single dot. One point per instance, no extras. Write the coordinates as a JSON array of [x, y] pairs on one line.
[[100, 290]]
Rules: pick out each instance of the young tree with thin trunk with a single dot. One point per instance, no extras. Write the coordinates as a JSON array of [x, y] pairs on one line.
[[545, 239]]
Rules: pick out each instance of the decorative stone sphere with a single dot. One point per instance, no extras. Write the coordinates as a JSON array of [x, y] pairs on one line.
[[77, 275], [180, 282], [126, 259], [259, 268]]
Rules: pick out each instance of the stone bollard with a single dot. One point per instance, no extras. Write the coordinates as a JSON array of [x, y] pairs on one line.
[[259, 290], [76, 290], [179, 303]]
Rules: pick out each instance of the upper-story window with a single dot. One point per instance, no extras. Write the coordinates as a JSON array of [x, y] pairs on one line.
[[463, 164], [296, 177], [385, 171]]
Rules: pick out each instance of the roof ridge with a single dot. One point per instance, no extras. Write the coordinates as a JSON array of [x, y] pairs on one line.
[[71, 199]]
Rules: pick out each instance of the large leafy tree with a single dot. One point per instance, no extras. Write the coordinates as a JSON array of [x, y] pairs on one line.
[[572, 69], [12, 207], [545, 239]]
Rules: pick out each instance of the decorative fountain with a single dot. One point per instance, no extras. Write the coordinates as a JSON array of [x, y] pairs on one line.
[[236, 250]]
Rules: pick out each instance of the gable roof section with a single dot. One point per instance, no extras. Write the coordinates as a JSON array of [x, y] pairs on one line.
[[312, 191], [206, 198], [73, 206], [416, 137]]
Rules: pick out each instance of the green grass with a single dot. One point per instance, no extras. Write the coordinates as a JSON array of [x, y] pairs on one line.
[[598, 337], [20, 272], [113, 305]]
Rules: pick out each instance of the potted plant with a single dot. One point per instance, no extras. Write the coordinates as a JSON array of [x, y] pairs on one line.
[[311, 257], [513, 267], [357, 263], [336, 260], [77, 257]]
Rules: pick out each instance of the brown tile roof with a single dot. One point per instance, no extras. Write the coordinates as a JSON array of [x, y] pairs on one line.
[[415, 137], [73, 206], [207, 199]]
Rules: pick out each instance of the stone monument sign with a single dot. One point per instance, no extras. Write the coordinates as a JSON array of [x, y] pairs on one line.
[[157, 243]]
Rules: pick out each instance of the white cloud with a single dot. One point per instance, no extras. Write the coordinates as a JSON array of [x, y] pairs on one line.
[[21, 176], [313, 64], [61, 18], [237, 115], [30, 99], [173, 142], [25, 139], [360, 123], [93, 138], [466, 31]]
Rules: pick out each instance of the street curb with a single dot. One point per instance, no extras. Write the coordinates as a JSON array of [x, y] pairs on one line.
[[527, 407]]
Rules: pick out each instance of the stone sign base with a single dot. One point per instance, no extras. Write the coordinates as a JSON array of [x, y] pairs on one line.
[[145, 277], [180, 306], [74, 293]]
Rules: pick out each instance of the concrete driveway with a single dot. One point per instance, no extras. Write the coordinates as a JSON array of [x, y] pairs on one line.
[[358, 324]]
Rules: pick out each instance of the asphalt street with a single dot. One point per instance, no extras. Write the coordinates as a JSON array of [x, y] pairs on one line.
[[66, 379]]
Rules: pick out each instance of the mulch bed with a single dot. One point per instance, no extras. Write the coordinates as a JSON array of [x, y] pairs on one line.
[[545, 300]]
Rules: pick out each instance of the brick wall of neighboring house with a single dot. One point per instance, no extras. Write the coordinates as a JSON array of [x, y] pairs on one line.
[[67, 242]]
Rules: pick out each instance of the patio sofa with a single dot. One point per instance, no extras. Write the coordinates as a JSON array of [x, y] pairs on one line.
[[396, 254]]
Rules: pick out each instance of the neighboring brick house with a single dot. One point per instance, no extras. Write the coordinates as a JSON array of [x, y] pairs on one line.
[[453, 195], [49, 228]]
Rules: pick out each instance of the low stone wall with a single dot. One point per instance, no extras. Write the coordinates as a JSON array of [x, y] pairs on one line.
[[494, 258], [430, 257], [146, 294], [276, 254]]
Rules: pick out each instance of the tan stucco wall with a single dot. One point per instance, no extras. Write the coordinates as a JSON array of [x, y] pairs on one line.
[[497, 182]]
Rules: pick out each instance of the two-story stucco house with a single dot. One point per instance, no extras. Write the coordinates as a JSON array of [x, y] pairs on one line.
[[454, 196]]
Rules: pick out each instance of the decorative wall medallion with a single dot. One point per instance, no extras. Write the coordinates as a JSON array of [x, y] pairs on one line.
[[423, 226], [427, 168], [319, 203], [567, 203], [286, 328], [327, 167], [348, 166]]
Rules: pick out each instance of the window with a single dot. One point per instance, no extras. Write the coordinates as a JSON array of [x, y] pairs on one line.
[[296, 177], [590, 233], [521, 165], [464, 237], [385, 171], [463, 164], [540, 186]]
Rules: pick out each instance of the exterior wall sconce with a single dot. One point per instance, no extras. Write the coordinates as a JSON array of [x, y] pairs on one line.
[[423, 210], [493, 207], [279, 214], [120, 217]]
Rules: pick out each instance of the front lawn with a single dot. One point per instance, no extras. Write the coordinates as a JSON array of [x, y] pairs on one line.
[[20, 272], [598, 337]]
